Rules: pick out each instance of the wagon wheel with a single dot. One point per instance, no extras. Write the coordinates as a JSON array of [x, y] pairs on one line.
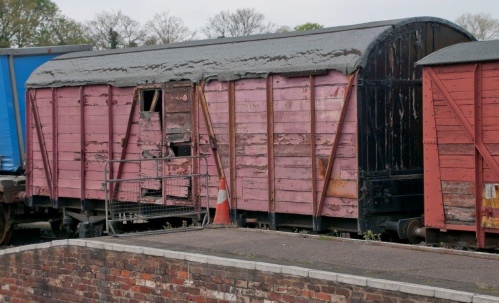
[[5, 224]]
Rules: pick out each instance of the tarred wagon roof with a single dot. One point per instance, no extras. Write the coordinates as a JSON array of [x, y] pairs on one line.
[[343, 48], [476, 51]]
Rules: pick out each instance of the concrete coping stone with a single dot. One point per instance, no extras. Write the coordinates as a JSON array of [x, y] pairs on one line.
[[295, 271], [154, 252], [97, 245], [351, 279], [485, 299], [323, 275], [59, 243], [196, 258], [268, 267], [133, 249], [454, 295], [27, 247], [12, 250], [384, 284], [174, 255], [77, 242], [416, 289], [43, 245]]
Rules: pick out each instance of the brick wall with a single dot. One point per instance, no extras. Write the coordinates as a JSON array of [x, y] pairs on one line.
[[89, 271]]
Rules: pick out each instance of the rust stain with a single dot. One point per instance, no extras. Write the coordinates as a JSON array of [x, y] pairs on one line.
[[342, 188], [321, 166], [490, 202]]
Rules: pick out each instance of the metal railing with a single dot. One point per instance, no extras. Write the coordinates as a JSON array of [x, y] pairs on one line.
[[165, 187]]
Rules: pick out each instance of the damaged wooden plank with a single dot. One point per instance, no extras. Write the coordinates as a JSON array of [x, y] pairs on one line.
[[209, 127], [336, 141]]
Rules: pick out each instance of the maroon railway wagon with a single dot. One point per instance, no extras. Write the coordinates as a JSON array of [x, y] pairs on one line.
[[461, 144], [318, 129]]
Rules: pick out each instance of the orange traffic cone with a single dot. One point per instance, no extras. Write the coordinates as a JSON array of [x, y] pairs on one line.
[[222, 211]]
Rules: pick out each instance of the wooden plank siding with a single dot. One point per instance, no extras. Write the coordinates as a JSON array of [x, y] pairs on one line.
[[292, 144], [292, 141], [96, 139], [456, 148]]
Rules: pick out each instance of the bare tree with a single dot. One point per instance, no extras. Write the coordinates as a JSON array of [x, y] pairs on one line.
[[165, 28], [115, 30], [481, 25], [243, 22]]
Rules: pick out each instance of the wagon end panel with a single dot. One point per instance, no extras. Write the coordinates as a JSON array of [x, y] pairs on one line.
[[40, 156], [489, 93], [391, 186]]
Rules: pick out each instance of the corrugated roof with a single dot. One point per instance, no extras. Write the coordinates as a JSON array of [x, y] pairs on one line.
[[476, 51], [337, 48]]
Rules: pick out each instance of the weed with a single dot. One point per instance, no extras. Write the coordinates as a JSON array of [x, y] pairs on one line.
[[371, 236], [325, 237]]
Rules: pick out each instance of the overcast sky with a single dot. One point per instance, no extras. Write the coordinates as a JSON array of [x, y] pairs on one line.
[[282, 12]]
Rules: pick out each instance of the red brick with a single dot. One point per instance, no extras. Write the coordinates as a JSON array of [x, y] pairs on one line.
[[200, 299], [302, 300], [323, 296], [374, 297], [139, 296], [125, 286], [146, 276], [134, 262], [274, 296], [307, 293], [166, 293], [182, 275], [344, 292], [125, 273], [115, 272]]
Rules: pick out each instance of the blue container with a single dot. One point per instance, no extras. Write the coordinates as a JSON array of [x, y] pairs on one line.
[[15, 67]]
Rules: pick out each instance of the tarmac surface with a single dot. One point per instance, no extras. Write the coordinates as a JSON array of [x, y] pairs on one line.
[[446, 268]]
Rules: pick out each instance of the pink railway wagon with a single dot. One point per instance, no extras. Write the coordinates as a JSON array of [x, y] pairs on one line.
[[461, 144], [319, 129]]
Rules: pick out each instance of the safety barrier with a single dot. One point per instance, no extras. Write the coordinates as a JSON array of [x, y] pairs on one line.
[[165, 187]]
